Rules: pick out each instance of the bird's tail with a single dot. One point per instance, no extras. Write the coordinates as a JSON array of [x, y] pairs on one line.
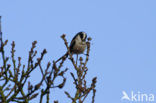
[[64, 56]]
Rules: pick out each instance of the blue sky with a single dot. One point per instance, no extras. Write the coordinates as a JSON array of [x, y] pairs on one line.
[[123, 50]]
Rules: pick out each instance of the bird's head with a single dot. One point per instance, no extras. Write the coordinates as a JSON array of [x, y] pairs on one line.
[[82, 35]]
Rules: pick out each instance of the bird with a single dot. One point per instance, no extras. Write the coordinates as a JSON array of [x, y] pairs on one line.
[[77, 45]]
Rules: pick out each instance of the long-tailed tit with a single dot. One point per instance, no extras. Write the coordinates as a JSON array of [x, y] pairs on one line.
[[77, 45]]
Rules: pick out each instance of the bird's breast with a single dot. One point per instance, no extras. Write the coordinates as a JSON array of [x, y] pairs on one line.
[[79, 48]]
